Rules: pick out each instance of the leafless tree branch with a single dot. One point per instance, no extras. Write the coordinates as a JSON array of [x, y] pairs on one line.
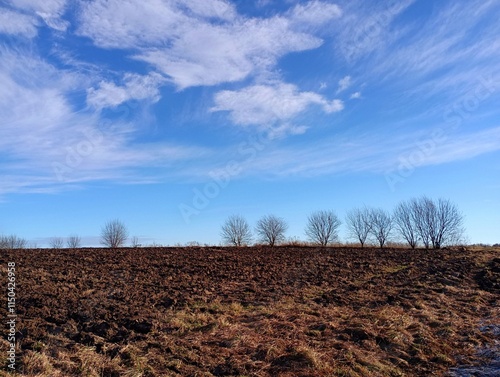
[[271, 229], [358, 223], [236, 231], [322, 227], [114, 234]]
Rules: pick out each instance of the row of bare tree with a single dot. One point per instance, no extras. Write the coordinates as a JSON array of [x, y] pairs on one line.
[[12, 242], [322, 228], [270, 229], [435, 223], [432, 223], [420, 220], [72, 242], [114, 234]]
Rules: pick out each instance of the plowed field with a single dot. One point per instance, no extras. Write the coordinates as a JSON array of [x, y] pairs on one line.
[[284, 311]]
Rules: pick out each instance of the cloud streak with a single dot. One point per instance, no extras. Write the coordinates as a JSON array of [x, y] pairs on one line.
[[368, 154], [451, 54]]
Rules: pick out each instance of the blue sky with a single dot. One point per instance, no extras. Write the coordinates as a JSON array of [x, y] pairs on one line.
[[172, 115]]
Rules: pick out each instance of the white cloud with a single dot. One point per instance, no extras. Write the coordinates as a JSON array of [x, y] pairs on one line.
[[131, 23], [209, 55], [136, 87], [355, 95], [14, 23], [334, 106], [344, 83], [52, 7], [266, 105], [182, 41], [285, 129], [219, 9], [314, 13], [50, 11]]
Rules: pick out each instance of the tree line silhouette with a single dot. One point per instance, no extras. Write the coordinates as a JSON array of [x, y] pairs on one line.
[[418, 221], [432, 223]]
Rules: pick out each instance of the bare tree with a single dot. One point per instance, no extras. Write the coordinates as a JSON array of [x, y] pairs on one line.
[[56, 243], [114, 234], [435, 223], [12, 242], [405, 224], [438, 223], [134, 242], [322, 227], [444, 222], [381, 225], [236, 231], [73, 242], [449, 224], [271, 229], [420, 210], [4, 243], [358, 223]]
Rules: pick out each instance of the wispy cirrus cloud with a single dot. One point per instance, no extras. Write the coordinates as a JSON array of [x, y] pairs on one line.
[[314, 13], [367, 27], [449, 38], [443, 54], [365, 153], [14, 23], [464, 146], [50, 11], [46, 143], [448, 57]]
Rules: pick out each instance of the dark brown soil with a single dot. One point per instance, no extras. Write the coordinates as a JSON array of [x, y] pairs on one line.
[[284, 311]]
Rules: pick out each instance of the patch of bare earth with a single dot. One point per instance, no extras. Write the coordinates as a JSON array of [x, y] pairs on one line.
[[284, 311]]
